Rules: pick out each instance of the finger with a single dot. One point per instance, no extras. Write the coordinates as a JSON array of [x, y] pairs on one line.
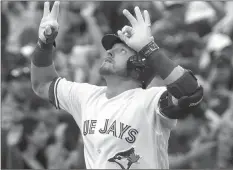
[[48, 30], [46, 9], [130, 17], [122, 36], [55, 10], [43, 25], [52, 24], [127, 30], [147, 17], [138, 14]]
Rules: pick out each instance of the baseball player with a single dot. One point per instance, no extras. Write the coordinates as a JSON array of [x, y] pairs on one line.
[[124, 125]]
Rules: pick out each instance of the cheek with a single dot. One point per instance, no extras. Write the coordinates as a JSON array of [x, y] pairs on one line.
[[121, 62]]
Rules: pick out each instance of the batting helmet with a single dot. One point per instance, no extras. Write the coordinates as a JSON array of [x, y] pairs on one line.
[[135, 62]]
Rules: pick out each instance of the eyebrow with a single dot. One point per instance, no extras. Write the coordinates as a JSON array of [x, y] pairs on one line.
[[119, 47]]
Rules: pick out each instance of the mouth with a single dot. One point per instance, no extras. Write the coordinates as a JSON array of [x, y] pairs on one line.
[[108, 59]]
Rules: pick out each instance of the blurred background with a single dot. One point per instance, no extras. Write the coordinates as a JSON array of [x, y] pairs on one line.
[[197, 35]]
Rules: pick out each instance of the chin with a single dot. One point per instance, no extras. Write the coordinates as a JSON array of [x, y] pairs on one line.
[[106, 69]]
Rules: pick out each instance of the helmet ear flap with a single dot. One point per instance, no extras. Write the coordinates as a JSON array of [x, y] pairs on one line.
[[131, 64], [134, 74], [139, 70], [134, 67]]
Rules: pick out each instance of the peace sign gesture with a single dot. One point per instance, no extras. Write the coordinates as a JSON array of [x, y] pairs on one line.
[[48, 29], [139, 35]]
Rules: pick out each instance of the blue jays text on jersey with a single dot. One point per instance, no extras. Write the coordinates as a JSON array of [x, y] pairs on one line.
[[111, 129]]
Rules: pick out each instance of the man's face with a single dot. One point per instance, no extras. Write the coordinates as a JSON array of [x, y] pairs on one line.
[[115, 61]]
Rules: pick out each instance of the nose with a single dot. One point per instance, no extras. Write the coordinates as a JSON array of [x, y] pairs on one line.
[[109, 53]]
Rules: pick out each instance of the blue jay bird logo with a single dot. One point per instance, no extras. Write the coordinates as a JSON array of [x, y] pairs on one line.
[[129, 155]]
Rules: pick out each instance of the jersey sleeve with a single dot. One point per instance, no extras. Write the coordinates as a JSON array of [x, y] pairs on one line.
[[70, 96], [152, 97]]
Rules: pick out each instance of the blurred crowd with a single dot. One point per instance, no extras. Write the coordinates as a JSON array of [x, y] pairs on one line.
[[197, 35]]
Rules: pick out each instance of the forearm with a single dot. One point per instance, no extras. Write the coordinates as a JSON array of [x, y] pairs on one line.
[[179, 81], [42, 68], [164, 67]]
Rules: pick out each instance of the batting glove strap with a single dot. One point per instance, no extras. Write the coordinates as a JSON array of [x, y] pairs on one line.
[[147, 50], [45, 46], [42, 55]]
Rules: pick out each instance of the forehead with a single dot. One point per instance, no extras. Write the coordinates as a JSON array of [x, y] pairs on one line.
[[121, 45]]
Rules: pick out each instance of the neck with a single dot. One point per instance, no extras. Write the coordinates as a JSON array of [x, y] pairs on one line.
[[116, 86]]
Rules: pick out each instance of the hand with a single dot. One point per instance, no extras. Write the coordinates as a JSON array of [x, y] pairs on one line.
[[48, 29], [139, 35]]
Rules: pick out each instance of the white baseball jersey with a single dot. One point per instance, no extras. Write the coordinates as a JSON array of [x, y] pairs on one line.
[[124, 132]]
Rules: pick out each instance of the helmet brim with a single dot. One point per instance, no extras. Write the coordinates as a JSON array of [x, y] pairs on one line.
[[109, 40]]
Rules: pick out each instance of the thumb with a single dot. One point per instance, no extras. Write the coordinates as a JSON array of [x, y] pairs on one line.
[[122, 36], [48, 31]]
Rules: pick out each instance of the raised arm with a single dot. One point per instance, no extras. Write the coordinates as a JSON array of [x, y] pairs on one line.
[[42, 68], [46, 83], [183, 92]]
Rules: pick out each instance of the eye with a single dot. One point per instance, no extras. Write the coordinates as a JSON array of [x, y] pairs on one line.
[[123, 51]]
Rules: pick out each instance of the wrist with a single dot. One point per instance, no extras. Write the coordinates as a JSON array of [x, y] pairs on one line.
[[148, 49], [45, 46], [162, 64], [42, 55]]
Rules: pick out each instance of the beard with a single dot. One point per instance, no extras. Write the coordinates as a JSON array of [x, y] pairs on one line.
[[107, 69]]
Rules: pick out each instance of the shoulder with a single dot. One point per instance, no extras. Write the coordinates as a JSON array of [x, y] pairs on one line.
[[86, 90], [77, 85], [154, 91], [150, 95], [73, 90]]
